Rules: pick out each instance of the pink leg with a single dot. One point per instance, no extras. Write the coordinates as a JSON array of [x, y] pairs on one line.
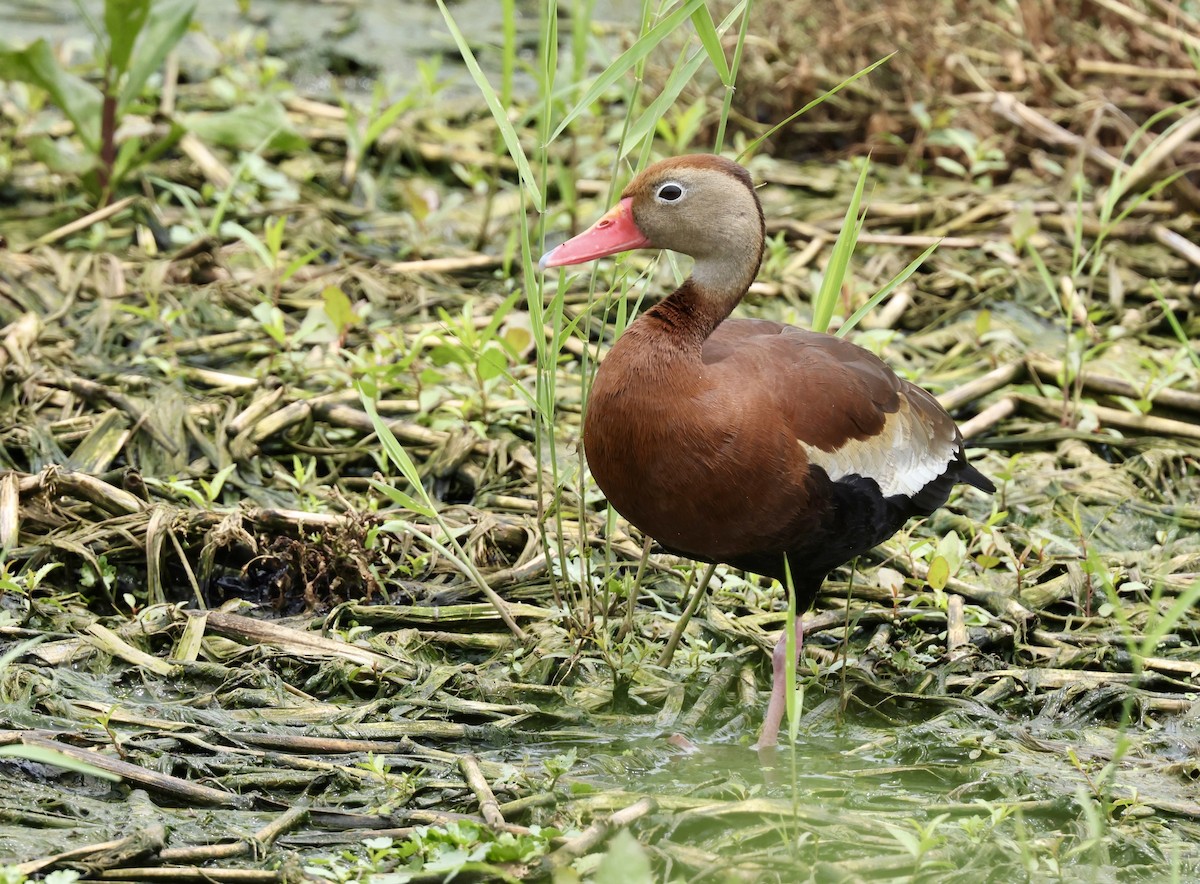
[[769, 736]]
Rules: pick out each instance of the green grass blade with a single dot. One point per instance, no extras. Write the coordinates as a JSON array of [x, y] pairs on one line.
[[402, 498], [397, 455], [641, 47], [839, 261], [703, 23], [252, 242], [820, 98], [743, 10], [680, 77], [1172, 320], [857, 316], [19, 650], [1169, 620], [499, 113], [791, 696]]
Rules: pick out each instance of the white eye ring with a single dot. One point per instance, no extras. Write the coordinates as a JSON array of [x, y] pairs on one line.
[[670, 192]]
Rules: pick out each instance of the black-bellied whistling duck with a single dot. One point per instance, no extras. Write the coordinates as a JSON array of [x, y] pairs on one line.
[[745, 441]]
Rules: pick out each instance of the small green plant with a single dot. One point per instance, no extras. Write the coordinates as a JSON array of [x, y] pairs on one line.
[[270, 252], [918, 840], [979, 157], [365, 126], [99, 573], [133, 41], [1089, 260], [420, 503], [484, 353], [558, 766], [459, 848], [25, 581], [376, 765], [204, 497]]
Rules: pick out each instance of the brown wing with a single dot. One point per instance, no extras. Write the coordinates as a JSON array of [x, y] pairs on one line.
[[849, 412]]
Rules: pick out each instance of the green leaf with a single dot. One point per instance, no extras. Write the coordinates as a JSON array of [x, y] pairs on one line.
[[400, 498], [939, 573], [384, 121], [273, 234], [264, 124], [123, 19], [338, 308], [447, 354], [127, 158], [857, 315], [499, 111], [61, 155], [271, 319], [646, 123], [839, 261], [641, 47], [19, 650], [626, 862], [164, 28], [75, 97], [908, 840], [492, 362], [749, 148], [397, 455], [256, 245], [218, 481], [703, 23], [952, 548]]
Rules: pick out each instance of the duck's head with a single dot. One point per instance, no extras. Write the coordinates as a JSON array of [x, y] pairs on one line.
[[700, 205]]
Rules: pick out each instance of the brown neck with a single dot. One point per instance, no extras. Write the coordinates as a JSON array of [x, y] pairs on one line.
[[704, 301]]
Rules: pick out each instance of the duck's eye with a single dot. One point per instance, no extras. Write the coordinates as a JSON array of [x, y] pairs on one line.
[[669, 193]]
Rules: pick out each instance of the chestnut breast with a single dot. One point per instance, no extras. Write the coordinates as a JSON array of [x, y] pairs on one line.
[[697, 454]]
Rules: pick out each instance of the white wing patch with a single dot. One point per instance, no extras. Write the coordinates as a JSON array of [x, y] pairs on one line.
[[904, 457]]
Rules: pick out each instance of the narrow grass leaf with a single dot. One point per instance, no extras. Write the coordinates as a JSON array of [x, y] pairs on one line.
[[820, 98], [19, 650], [499, 113], [735, 66], [711, 40], [857, 316], [398, 456], [252, 242], [645, 124], [1173, 321], [401, 498], [425, 506], [839, 261], [1043, 271], [384, 121], [1170, 619], [791, 697], [641, 47]]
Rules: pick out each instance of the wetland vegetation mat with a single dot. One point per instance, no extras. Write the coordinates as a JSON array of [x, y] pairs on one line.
[[303, 575]]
